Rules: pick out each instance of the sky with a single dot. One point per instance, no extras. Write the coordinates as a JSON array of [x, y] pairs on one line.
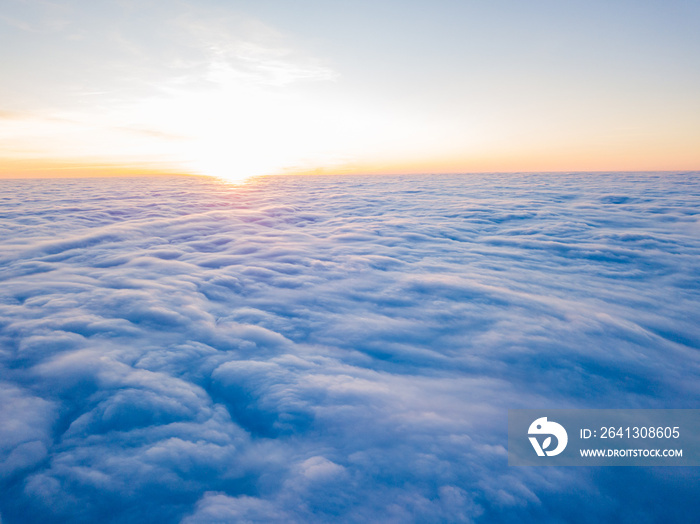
[[243, 88]]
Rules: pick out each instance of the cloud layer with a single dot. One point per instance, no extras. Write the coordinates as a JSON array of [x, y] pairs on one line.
[[307, 349]]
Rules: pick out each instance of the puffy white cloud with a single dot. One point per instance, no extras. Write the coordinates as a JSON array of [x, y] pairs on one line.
[[316, 349]]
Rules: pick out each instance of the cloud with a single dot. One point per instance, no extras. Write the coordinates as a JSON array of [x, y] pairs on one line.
[[309, 349], [26, 434]]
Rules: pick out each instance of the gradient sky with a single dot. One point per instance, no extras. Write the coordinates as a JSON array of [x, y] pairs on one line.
[[240, 88]]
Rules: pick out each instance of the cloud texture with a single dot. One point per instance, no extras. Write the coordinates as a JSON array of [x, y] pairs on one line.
[[308, 349]]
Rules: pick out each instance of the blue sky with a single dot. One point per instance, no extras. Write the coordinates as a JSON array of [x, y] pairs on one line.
[[243, 88]]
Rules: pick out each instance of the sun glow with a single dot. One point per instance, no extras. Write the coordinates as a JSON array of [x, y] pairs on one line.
[[217, 92], [235, 131], [250, 107]]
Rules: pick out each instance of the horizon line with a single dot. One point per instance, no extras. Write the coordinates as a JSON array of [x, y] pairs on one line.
[[165, 174]]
